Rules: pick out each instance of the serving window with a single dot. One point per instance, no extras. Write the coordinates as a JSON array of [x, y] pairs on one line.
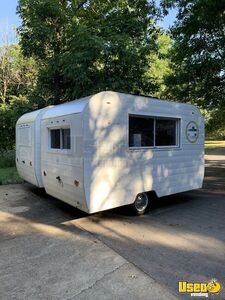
[[166, 132], [148, 131], [60, 138]]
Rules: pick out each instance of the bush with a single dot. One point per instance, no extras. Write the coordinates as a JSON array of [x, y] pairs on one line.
[[9, 114], [216, 135], [214, 124], [7, 158]]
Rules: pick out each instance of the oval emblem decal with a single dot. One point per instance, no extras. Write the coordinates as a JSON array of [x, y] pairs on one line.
[[192, 132]]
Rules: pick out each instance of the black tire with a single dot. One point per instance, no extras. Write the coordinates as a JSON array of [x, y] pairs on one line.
[[141, 204]]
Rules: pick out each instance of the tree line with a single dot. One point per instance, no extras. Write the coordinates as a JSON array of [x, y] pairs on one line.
[[73, 48]]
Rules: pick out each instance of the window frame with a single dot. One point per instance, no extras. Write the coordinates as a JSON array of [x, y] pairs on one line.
[[155, 117], [59, 150]]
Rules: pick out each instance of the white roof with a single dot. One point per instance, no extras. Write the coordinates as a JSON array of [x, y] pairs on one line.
[[68, 108], [31, 116], [77, 106]]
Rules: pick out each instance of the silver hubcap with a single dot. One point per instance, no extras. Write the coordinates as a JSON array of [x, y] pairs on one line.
[[141, 202]]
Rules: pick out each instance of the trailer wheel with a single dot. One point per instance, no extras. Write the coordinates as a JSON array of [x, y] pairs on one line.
[[141, 204]]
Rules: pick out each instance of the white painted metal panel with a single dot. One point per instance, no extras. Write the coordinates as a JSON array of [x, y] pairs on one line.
[[62, 170], [28, 147], [25, 152]]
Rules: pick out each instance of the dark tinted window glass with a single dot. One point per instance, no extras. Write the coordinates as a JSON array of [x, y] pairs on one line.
[[165, 132], [141, 131], [55, 138], [66, 138]]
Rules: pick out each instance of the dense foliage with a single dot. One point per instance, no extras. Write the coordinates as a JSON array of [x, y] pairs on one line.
[[85, 47], [198, 53], [17, 81], [159, 65], [17, 73], [73, 48]]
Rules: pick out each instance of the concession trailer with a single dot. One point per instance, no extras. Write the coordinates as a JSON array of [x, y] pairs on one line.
[[112, 149]]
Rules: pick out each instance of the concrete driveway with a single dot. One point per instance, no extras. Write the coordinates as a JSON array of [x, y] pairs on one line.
[[41, 257], [49, 250]]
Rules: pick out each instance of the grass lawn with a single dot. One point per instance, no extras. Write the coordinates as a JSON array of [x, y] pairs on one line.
[[211, 146], [9, 175]]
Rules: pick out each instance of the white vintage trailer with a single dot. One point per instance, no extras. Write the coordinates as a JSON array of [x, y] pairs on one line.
[[110, 149]]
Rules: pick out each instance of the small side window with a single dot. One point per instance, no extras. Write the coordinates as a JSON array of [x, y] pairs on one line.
[[60, 138], [66, 138], [55, 138]]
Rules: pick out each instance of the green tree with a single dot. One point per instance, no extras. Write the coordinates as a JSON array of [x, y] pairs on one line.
[[159, 64], [83, 47], [17, 81], [198, 52], [17, 73]]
